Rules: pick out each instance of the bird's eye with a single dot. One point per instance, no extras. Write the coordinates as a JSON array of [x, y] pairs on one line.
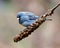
[[18, 16]]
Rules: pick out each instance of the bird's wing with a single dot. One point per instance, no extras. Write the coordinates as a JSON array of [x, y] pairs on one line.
[[33, 17]]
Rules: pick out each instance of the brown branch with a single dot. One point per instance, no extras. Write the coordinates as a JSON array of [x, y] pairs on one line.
[[27, 31]]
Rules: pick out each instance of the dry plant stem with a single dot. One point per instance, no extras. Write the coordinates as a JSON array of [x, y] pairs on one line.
[[27, 31]]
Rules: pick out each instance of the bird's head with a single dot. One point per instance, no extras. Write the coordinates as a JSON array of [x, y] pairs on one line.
[[19, 14]]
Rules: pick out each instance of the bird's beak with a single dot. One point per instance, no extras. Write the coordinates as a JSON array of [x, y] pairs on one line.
[[17, 18]]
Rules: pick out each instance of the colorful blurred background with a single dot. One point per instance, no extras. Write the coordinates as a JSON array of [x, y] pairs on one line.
[[46, 36]]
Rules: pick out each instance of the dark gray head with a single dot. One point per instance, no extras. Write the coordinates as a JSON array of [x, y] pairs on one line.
[[19, 14]]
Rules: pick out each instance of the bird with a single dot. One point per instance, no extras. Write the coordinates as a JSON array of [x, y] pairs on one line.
[[26, 18]]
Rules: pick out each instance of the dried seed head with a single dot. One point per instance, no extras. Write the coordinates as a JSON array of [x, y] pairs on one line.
[[16, 38]]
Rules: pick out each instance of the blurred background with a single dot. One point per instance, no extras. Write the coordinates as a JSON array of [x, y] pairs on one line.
[[46, 36]]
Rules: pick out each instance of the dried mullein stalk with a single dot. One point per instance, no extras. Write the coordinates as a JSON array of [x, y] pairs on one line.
[[27, 31]]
